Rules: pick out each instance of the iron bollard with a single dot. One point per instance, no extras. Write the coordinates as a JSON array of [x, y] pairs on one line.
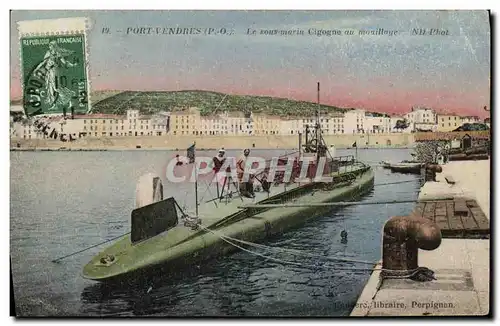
[[431, 170], [403, 236]]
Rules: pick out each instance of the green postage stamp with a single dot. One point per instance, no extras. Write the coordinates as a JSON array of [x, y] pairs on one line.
[[54, 74]]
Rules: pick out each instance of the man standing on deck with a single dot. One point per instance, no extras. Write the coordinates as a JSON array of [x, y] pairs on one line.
[[246, 187], [218, 162]]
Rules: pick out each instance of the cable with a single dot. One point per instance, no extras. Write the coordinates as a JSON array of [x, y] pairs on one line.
[[410, 275], [93, 246], [293, 251], [394, 183], [287, 261]]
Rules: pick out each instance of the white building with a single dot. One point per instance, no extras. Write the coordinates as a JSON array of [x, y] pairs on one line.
[[423, 118], [354, 121], [291, 126], [236, 123], [325, 122], [377, 124], [160, 123], [470, 119], [40, 127], [308, 121], [93, 125], [211, 125], [336, 124], [248, 126]]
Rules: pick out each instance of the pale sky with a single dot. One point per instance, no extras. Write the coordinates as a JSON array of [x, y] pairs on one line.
[[382, 73]]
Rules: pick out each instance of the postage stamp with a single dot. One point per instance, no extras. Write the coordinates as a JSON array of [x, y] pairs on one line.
[[54, 70]]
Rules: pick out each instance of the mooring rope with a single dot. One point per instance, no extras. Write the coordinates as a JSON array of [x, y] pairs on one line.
[[394, 183], [287, 261], [286, 250], [93, 246], [414, 273]]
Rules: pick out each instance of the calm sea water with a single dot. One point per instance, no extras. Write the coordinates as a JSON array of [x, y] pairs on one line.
[[62, 202]]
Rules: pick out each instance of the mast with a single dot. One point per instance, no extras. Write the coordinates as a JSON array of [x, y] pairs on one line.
[[318, 130], [317, 117], [195, 182], [300, 146]]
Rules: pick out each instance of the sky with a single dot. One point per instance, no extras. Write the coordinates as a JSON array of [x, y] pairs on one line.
[[450, 73]]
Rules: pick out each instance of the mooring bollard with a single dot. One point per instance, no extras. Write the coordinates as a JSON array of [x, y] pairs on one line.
[[403, 236], [431, 170]]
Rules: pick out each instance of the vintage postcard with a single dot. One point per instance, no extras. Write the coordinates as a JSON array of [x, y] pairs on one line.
[[250, 163]]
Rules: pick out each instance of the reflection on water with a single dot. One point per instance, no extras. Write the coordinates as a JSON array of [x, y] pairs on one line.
[[63, 202]]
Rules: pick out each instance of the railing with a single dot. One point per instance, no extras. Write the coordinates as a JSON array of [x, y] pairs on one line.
[[342, 161], [345, 159]]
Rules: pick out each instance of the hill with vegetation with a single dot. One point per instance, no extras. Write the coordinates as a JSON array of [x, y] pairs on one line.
[[98, 96], [208, 103]]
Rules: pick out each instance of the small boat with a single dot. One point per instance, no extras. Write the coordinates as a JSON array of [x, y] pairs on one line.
[[385, 164], [166, 238], [414, 168]]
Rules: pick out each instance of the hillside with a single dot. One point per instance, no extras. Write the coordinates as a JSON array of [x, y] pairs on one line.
[[98, 96], [95, 96], [152, 102]]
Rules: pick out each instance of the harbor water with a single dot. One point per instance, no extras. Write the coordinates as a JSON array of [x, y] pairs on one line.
[[62, 202]]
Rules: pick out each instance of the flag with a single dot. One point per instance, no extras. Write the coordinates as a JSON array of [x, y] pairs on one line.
[[190, 153], [354, 145]]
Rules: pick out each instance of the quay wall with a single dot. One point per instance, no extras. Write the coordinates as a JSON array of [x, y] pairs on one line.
[[213, 142], [382, 140]]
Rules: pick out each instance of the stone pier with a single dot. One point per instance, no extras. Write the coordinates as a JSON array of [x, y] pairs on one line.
[[459, 203]]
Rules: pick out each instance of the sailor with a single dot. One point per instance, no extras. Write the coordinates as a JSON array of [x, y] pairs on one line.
[[246, 187], [219, 160]]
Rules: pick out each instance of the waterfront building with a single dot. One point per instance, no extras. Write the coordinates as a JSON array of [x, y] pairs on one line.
[[448, 122], [421, 117], [354, 121], [103, 125], [336, 124], [377, 123], [189, 121], [92, 125], [160, 123], [238, 123], [266, 124], [185, 121], [470, 119], [212, 125], [291, 126]]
